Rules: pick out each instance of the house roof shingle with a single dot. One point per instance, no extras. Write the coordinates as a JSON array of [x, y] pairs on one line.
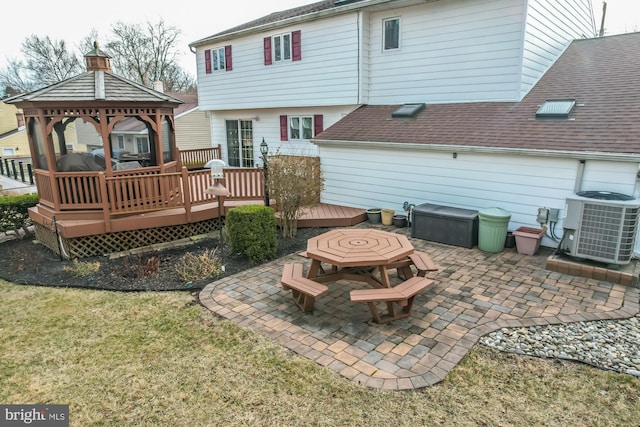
[[275, 17], [601, 74]]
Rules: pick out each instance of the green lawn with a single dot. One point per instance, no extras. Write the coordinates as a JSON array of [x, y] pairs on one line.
[[160, 359]]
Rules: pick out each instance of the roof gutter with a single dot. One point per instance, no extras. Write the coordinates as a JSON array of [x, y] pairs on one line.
[[581, 155], [290, 21]]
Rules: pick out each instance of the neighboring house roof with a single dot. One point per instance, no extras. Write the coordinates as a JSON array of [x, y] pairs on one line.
[[133, 125], [600, 74], [190, 102], [83, 88], [12, 132], [284, 15]]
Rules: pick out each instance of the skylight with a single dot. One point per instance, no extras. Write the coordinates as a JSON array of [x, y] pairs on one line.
[[407, 111], [559, 108]]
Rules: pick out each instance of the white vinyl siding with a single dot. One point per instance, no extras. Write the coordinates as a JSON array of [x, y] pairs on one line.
[[450, 51], [546, 36], [373, 177], [454, 51], [266, 124], [326, 75]]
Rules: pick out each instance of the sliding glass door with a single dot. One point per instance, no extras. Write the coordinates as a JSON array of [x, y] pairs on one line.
[[240, 143]]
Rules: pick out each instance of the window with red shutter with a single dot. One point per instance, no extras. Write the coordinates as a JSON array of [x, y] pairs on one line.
[[284, 128], [207, 61], [296, 45], [227, 57], [267, 51], [317, 124]]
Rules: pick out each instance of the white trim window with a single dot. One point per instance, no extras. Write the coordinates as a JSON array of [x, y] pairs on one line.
[[282, 47], [218, 59], [300, 127], [390, 34], [121, 142]]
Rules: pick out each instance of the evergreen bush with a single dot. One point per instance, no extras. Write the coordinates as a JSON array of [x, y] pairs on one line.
[[252, 231]]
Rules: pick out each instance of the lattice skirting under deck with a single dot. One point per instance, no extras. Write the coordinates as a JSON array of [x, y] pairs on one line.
[[100, 244]]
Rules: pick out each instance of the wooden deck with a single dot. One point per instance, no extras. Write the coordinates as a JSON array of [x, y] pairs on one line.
[[322, 215], [325, 215]]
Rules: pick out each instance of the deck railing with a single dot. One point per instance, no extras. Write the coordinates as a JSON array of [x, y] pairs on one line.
[[195, 159], [137, 192]]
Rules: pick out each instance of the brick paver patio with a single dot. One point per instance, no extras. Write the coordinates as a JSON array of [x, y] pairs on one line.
[[476, 293]]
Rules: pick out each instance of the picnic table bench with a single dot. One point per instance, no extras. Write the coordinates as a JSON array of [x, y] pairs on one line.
[[420, 260], [404, 294], [304, 291]]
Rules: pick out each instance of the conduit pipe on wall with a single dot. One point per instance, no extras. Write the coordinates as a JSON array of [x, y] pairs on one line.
[[579, 175]]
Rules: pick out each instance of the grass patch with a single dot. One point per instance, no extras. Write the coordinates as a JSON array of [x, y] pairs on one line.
[[160, 359], [83, 268]]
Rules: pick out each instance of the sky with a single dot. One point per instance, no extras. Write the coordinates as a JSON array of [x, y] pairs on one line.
[[195, 20]]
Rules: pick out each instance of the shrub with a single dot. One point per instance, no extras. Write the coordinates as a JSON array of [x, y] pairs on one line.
[[139, 266], [192, 267], [252, 231], [294, 182], [14, 212]]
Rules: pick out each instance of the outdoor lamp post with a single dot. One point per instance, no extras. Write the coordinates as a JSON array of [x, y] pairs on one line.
[[217, 189], [264, 150]]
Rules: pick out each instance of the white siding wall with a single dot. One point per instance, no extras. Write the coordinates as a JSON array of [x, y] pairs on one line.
[[547, 34], [384, 178], [326, 75], [450, 51], [266, 124]]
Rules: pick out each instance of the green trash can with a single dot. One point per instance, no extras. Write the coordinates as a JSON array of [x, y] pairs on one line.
[[492, 229]]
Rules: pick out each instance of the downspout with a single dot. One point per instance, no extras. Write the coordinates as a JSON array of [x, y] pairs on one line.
[[358, 22], [579, 176]]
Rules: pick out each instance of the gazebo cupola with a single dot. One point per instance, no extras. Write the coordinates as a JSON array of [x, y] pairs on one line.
[[97, 60]]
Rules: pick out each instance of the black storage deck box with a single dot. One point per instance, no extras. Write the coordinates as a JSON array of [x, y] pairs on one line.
[[445, 224]]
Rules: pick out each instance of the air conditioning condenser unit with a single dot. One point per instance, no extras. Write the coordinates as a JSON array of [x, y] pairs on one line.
[[601, 226]]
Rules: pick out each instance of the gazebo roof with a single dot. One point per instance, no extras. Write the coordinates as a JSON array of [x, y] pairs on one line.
[[83, 88]]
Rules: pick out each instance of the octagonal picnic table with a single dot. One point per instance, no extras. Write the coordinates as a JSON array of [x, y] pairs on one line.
[[358, 254]]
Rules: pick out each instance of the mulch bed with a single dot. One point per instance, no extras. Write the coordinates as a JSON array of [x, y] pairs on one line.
[[24, 261]]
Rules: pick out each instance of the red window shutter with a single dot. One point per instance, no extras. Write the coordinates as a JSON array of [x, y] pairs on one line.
[[317, 124], [267, 51], [207, 61], [296, 45], [284, 128], [227, 58]]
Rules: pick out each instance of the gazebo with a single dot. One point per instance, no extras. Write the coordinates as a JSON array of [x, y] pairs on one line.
[[95, 197]]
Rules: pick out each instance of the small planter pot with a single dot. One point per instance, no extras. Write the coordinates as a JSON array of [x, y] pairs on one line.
[[400, 221], [510, 242], [528, 240], [387, 216], [374, 215]]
